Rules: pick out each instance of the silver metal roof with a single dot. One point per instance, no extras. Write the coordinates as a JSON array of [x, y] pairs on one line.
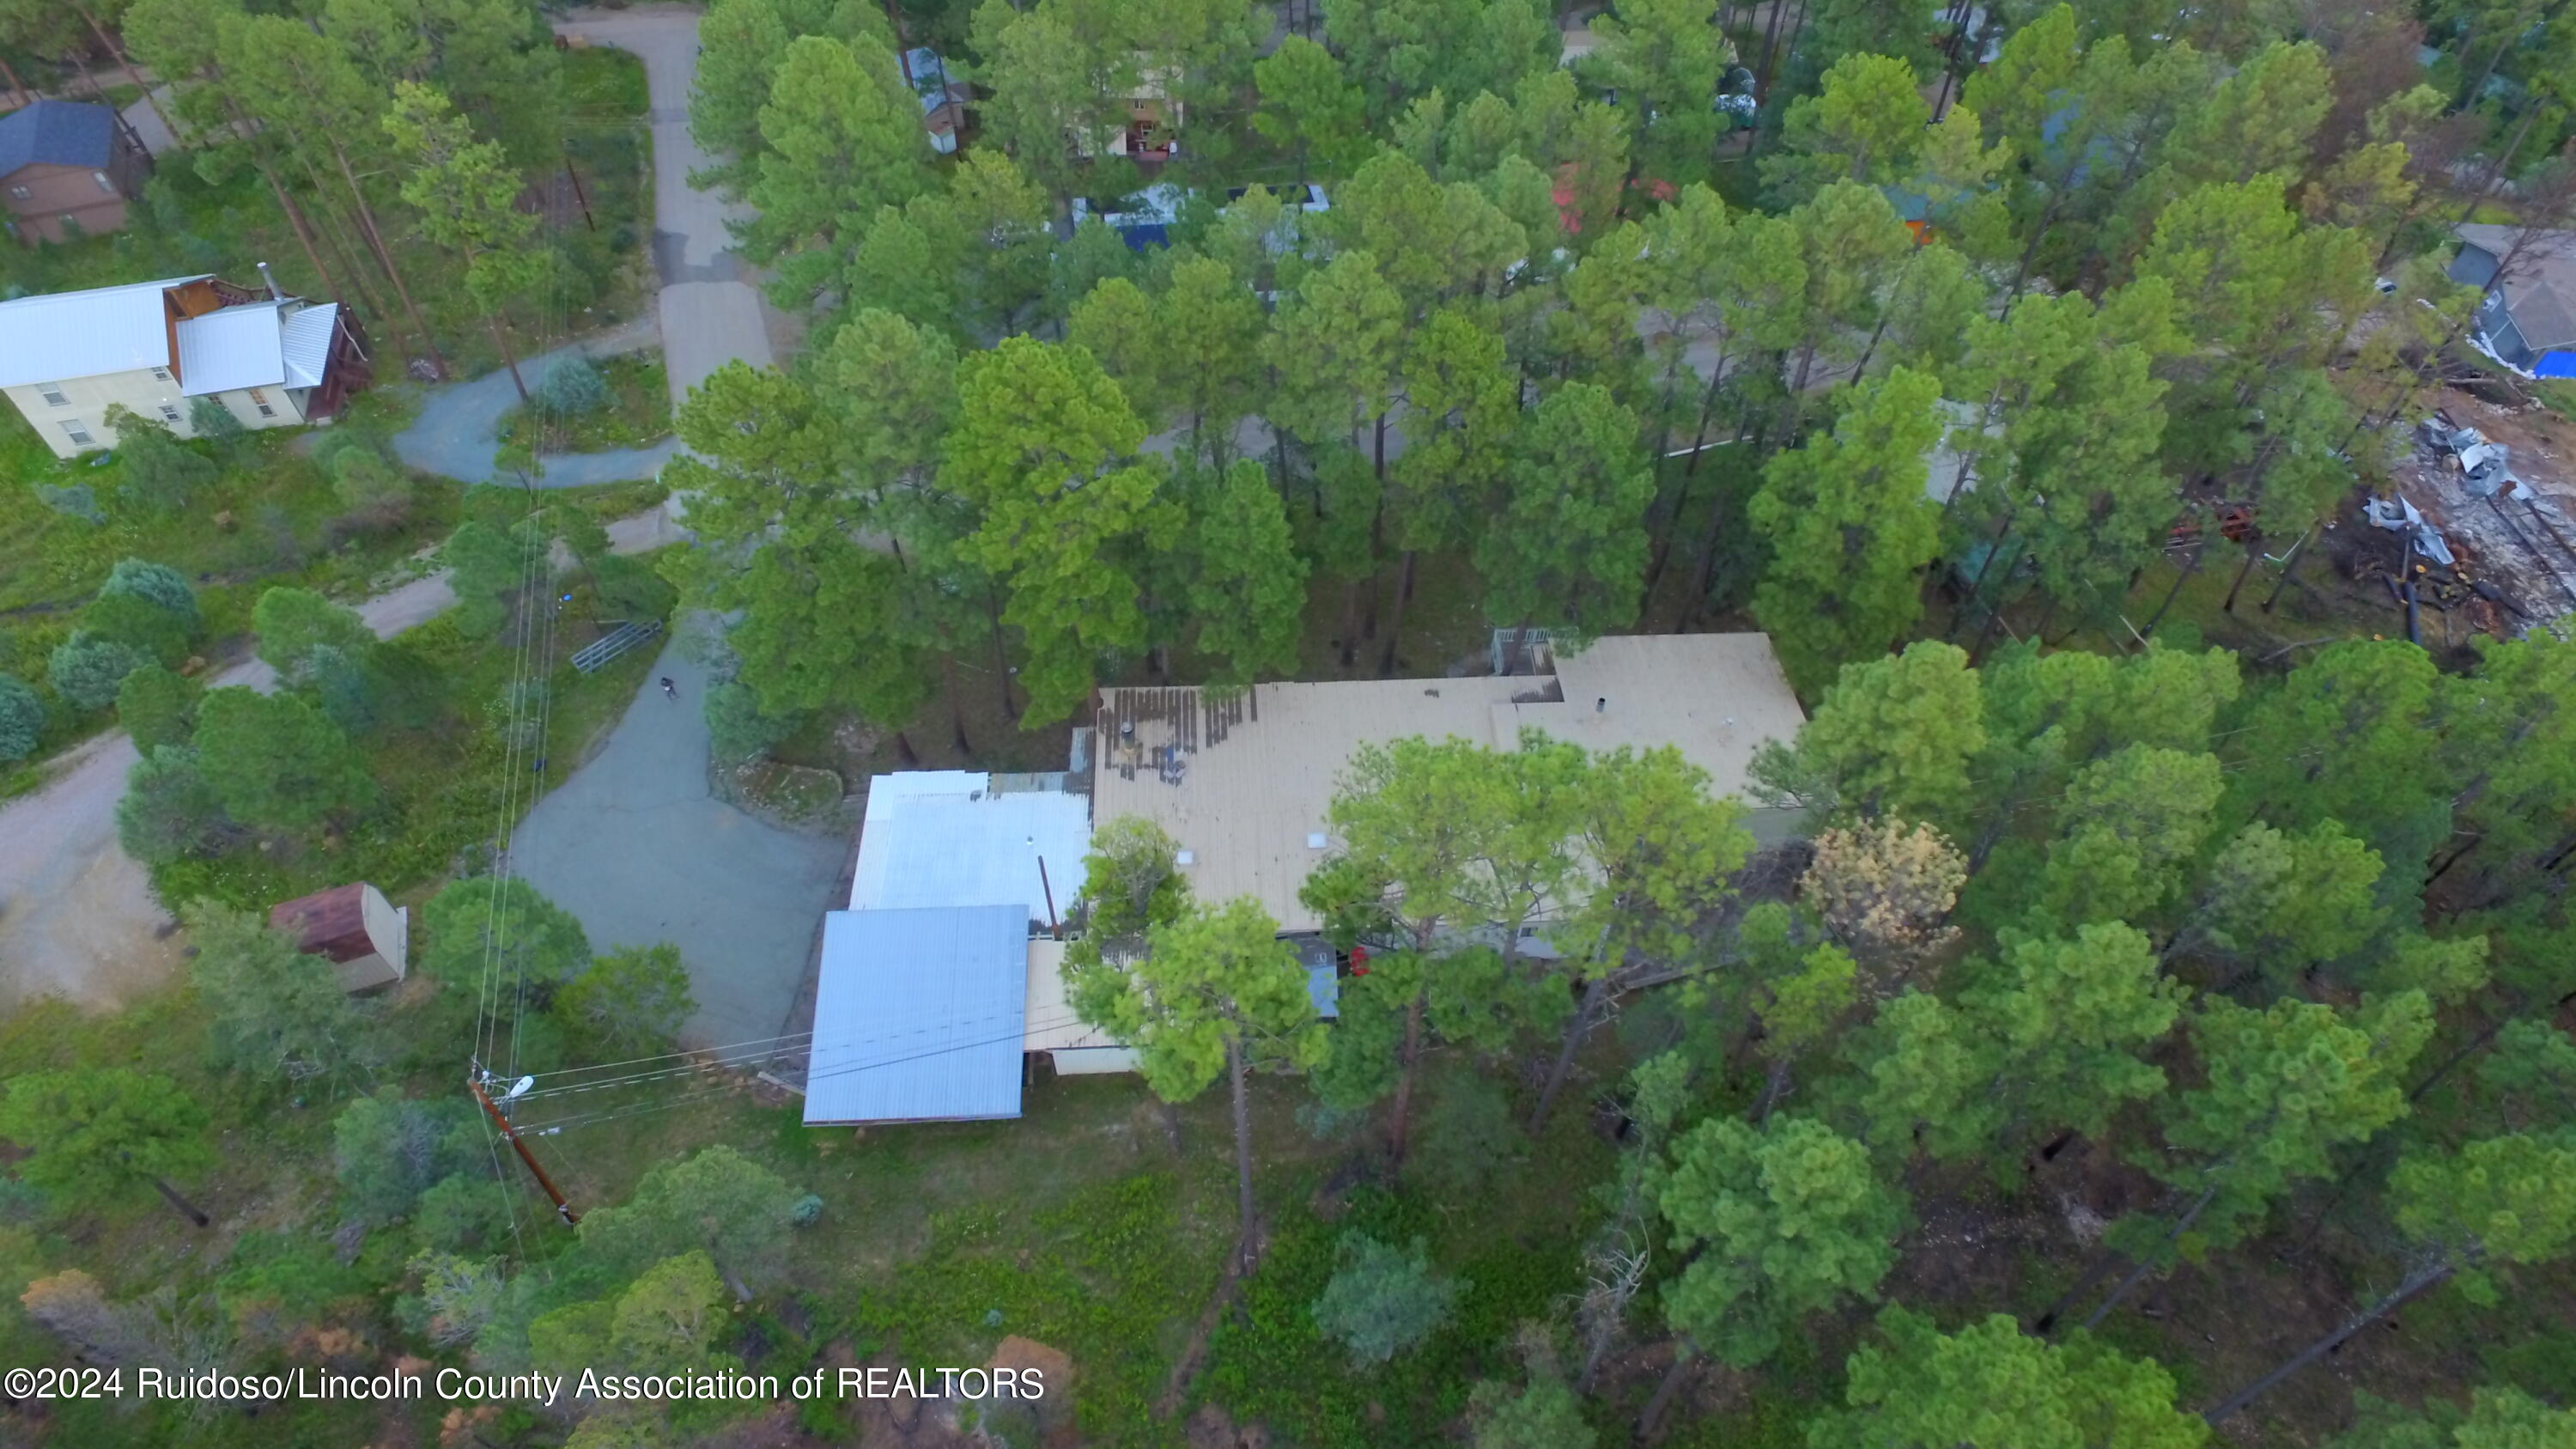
[[919, 1015], [232, 347], [306, 342], [949, 838], [66, 335]]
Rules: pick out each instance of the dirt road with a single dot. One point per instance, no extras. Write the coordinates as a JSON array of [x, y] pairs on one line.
[[77, 915]]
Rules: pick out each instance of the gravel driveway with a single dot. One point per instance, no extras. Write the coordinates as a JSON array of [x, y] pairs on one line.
[[710, 315], [635, 846]]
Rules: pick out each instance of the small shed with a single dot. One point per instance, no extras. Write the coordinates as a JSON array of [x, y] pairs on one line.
[[919, 1016], [367, 938]]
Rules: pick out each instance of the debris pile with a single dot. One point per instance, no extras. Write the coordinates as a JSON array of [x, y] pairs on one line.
[[2469, 527]]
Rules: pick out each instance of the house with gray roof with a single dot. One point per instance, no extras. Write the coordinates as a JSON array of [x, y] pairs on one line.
[[271, 360], [2528, 317], [66, 171]]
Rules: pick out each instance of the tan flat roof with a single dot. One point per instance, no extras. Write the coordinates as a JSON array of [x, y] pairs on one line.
[[1050, 1025], [1243, 784]]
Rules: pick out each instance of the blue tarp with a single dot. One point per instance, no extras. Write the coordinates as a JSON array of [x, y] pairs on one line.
[[2556, 364]]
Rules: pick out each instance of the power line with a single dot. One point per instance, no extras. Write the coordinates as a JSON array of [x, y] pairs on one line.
[[557, 1124], [811, 1049]]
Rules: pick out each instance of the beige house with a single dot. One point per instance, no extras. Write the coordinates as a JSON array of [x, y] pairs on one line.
[[66, 170], [1243, 784], [271, 360], [367, 939], [1151, 128]]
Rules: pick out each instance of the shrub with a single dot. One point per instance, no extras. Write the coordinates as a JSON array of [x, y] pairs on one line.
[[807, 1212], [345, 685], [87, 668], [462, 1214], [169, 811], [276, 763], [486, 566], [1469, 1138], [629, 1002], [630, 589], [573, 387], [290, 622], [147, 626], [1383, 1300], [736, 726], [369, 485], [215, 423], [75, 500], [157, 584], [161, 472], [157, 707], [22, 719]]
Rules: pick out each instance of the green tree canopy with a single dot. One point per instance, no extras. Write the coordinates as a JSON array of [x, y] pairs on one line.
[[275, 763], [94, 1132], [1991, 1386], [1774, 1224], [271, 1010], [1383, 1300], [628, 1003]]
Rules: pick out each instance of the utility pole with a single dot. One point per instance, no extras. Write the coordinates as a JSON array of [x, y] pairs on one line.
[[474, 1082]]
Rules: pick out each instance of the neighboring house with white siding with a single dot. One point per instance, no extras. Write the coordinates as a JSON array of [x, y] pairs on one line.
[[271, 360]]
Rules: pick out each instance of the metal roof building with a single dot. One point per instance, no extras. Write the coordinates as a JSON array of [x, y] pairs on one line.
[[1243, 784], [57, 133], [965, 838], [84, 334], [919, 1016]]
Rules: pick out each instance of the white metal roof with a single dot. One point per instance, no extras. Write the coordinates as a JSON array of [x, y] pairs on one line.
[[66, 335], [232, 347], [306, 342], [919, 1016], [949, 838]]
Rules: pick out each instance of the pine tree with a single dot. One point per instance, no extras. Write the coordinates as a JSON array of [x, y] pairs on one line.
[[1849, 530]]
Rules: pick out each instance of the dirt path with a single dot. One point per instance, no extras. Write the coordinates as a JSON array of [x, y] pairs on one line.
[[77, 915]]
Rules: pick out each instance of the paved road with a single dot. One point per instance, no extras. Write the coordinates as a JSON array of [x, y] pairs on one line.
[[458, 430], [710, 315], [77, 915], [635, 846]]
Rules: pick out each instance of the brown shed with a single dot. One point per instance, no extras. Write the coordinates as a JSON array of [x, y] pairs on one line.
[[354, 925]]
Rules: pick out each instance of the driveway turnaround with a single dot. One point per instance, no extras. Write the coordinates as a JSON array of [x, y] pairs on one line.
[[636, 847], [458, 431]]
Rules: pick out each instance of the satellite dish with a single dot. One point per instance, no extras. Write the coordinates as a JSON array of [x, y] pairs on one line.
[[518, 1089]]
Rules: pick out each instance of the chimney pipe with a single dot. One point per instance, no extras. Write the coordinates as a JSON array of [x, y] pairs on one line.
[[270, 277]]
